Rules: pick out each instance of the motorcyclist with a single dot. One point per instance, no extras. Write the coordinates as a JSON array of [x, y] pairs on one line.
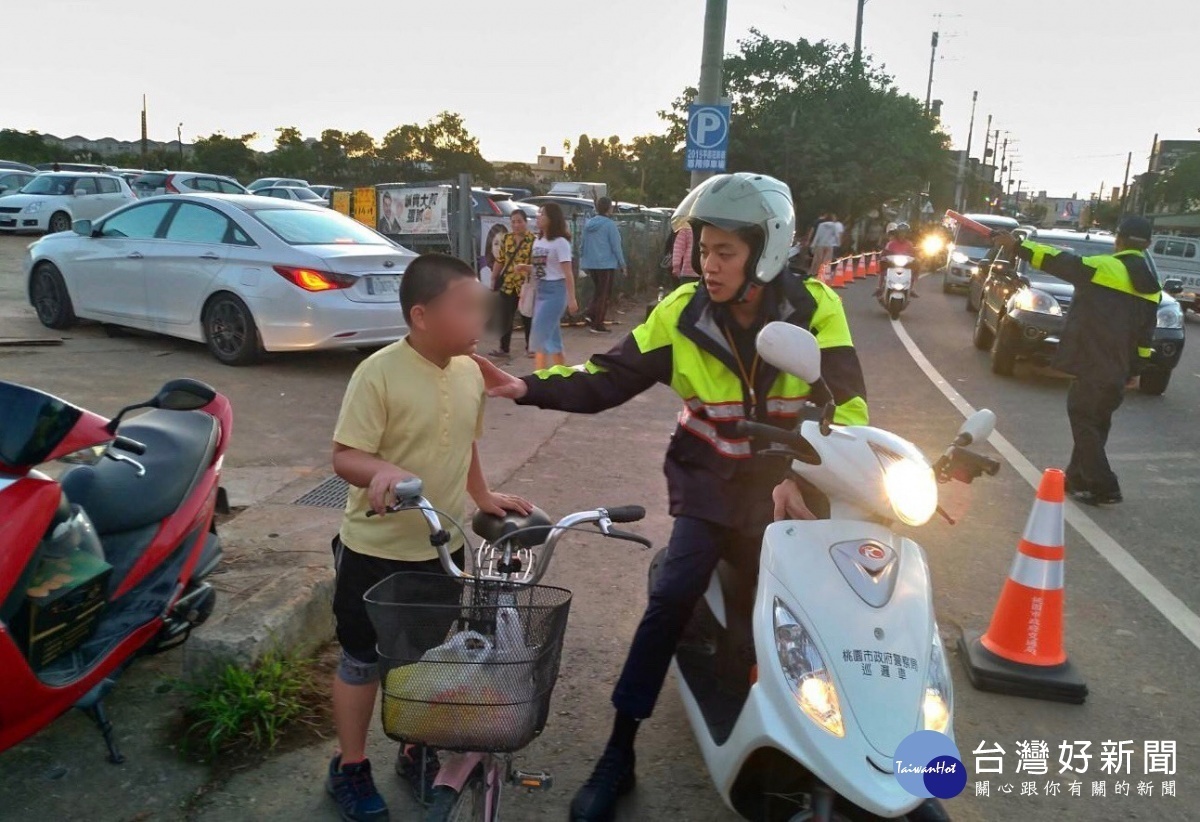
[[700, 340], [899, 242]]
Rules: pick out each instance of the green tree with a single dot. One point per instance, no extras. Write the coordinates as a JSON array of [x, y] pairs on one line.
[[1178, 189], [24, 146], [837, 131], [292, 156], [220, 154], [451, 149]]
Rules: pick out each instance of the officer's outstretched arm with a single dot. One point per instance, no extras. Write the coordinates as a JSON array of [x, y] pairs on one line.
[[635, 364], [1056, 262]]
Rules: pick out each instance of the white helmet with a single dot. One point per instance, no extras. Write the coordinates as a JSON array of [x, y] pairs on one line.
[[892, 227], [740, 201]]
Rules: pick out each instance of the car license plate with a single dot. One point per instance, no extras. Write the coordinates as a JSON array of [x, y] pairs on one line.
[[383, 285]]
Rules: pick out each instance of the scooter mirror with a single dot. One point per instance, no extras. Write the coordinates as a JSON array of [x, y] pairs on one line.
[[791, 349], [183, 395], [977, 428]]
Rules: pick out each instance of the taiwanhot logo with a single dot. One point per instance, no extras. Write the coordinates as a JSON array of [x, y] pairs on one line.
[[927, 764]]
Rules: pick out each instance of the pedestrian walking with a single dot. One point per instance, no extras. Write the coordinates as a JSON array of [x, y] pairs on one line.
[[510, 275], [554, 280], [681, 256], [601, 256], [827, 238], [1104, 341]]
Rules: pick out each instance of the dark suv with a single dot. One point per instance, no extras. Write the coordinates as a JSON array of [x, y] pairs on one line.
[[1022, 311]]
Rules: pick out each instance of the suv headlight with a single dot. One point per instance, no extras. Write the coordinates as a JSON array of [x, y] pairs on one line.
[[910, 485], [959, 257], [938, 704], [1170, 315], [33, 208], [805, 671], [1036, 301]]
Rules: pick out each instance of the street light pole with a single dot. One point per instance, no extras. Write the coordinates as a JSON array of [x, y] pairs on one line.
[[932, 57], [712, 61], [858, 28], [179, 139]]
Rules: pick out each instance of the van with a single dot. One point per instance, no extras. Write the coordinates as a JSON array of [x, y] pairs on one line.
[[1179, 258], [588, 191], [968, 248]]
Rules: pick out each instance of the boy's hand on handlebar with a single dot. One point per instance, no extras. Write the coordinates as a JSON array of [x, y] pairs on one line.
[[789, 502], [500, 504], [498, 382], [379, 493]]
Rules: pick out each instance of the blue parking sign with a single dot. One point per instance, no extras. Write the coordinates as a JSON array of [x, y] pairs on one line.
[[707, 137]]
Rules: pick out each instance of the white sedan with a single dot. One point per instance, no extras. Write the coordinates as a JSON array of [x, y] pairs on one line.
[[51, 201], [241, 273]]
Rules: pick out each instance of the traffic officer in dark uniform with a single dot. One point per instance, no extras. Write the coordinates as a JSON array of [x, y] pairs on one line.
[[1107, 334]]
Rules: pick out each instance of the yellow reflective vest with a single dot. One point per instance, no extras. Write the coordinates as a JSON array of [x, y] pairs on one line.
[[686, 344]]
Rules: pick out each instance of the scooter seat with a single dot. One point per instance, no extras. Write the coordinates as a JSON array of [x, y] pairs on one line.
[[494, 529], [179, 446]]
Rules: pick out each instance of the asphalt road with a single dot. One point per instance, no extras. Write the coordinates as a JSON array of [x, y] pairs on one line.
[[1140, 669]]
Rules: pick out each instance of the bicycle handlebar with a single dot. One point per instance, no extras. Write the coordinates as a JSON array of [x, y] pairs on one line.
[[626, 513]]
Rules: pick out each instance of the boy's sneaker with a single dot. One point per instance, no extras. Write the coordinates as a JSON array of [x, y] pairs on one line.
[[353, 789], [408, 768], [612, 778]]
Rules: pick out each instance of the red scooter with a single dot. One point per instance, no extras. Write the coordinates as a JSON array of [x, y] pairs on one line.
[[107, 561]]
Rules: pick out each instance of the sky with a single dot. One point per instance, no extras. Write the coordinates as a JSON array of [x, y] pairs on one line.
[[1075, 85]]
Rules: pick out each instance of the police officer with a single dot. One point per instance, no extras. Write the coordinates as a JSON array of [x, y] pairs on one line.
[[700, 341], [1104, 341]]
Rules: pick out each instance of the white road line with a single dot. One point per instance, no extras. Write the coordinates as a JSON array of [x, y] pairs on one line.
[[1166, 603]]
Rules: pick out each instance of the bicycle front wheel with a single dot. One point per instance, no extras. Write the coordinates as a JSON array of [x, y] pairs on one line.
[[470, 805]]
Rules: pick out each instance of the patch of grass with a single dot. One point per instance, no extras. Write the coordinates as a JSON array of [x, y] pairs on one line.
[[251, 708]]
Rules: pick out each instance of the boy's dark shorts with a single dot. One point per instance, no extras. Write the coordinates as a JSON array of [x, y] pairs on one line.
[[355, 574]]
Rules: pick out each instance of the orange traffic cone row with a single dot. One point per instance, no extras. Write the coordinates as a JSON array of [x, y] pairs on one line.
[[1022, 651]]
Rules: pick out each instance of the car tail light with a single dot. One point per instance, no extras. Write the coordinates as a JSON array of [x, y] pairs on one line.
[[495, 208], [312, 280], [169, 185]]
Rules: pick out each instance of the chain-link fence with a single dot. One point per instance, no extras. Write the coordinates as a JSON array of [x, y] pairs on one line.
[[644, 237]]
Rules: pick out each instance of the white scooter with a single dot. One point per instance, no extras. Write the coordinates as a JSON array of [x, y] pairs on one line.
[[800, 684], [897, 283]]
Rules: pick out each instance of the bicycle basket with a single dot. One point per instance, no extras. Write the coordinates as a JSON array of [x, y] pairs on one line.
[[466, 664]]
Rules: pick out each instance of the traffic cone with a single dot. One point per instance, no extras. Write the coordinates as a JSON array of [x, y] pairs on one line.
[[1022, 651], [873, 266], [860, 271], [838, 280]]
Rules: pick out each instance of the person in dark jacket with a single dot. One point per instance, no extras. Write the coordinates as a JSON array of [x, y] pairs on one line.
[[601, 256], [1106, 335], [700, 340]]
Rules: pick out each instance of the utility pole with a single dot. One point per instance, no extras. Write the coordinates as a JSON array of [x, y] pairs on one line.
[[1125, 185], [858, 27], [987, 136], [965, 157], [712, 62], [932, 57], [144, 139], [179, 139]]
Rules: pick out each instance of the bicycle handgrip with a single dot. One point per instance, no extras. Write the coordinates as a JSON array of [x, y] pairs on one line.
[[626, 513]]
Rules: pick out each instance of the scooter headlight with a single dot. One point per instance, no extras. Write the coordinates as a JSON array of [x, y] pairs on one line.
[[910, 485], [899, 260], [805, 672], [939, 694]]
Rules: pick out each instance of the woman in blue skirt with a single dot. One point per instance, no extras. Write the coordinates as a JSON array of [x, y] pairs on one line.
[[555, 283]]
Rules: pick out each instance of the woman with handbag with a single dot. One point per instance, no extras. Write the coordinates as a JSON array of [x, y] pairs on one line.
[[510, 279], [554, 279]]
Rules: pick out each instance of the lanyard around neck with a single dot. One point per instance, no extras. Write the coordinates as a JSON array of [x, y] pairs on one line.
[[747, 378]]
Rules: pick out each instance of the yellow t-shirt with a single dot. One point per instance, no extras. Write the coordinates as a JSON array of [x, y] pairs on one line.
[[402, 408]]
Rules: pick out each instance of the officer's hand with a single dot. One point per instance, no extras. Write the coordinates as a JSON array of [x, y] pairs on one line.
[[498, 382], [1007, 242], [789, 502]]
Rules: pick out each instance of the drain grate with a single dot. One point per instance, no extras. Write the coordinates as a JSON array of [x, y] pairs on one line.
[[331, 493]]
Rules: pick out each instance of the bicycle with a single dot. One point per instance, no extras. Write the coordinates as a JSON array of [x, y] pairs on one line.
[[468, 661]]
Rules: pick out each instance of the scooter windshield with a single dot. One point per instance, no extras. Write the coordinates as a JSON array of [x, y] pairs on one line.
[[32, 424]]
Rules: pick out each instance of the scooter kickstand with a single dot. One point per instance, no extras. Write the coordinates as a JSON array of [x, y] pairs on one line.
[[100, 717]]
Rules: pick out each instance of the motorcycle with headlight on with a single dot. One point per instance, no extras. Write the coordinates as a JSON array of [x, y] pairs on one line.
[[804, 668], [897, 283]]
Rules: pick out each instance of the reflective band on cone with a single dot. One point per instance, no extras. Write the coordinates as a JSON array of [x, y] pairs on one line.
[[1022, 651]]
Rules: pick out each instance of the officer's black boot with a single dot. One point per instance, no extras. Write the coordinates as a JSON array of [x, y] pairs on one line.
[[612, 778]]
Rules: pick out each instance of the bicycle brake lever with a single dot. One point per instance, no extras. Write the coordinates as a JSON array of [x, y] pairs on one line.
[[629, 536]]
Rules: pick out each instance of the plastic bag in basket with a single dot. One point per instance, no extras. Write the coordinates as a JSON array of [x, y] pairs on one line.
[[466, 693]]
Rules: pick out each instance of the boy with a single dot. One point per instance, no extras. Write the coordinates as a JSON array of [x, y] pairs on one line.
[[414, 408]]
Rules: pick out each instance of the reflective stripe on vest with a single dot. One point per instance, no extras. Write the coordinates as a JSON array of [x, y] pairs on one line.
[[705, 430], [726, 411]]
